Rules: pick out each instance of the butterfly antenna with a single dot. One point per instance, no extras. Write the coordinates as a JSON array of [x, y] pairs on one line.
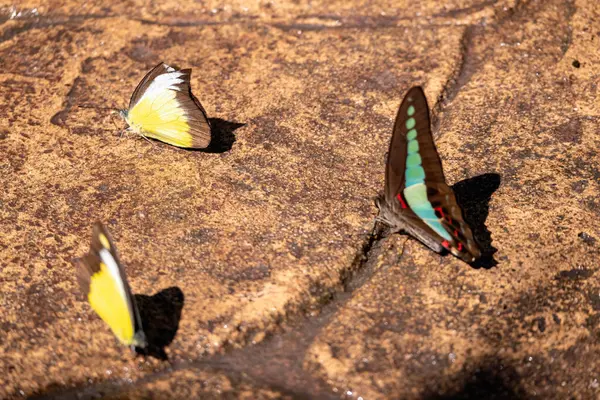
[[115, 109], [115, 124], [123, 132]]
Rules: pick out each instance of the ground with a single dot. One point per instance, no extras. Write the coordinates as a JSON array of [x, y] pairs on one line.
[[257, 264]]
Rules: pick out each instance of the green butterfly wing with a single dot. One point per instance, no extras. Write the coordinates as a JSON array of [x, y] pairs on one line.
[[415, 183]]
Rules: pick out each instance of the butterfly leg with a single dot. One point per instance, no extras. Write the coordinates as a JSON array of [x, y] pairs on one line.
[[393, 228], [382, 220], [119, 130], [145, 137], [123, 132]]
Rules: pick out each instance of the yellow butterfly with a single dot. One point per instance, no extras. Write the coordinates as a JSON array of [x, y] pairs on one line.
[[102, 279], [163, 107]]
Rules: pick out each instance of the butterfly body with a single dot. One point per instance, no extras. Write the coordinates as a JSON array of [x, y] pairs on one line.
[[163, 107], [400, 222], [102, 279], [417, 199]]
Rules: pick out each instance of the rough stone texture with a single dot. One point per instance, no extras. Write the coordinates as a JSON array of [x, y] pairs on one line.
[[256, 264]]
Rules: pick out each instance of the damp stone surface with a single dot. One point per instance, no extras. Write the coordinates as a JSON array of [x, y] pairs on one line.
[[257, 264]]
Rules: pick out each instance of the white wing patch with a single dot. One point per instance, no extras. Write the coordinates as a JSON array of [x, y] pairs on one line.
[[162, 83], [113, 269]]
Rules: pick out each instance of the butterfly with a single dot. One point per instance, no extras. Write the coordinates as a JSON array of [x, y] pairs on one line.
[[417, 199], [163, 107], [102, 279]]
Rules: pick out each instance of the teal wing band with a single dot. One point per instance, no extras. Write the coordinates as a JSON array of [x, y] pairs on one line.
[[415, 190], [416, 197]]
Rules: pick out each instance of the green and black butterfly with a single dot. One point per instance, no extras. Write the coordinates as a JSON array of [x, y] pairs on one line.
[[417, 199]]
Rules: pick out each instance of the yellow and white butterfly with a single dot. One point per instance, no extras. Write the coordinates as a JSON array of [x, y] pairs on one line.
[[163, 107], [102, 279]]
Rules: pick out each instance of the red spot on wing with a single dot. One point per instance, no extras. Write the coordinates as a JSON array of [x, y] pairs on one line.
[[402, 203], [441, 211], [442, 215], [446, 245], [460, 246]]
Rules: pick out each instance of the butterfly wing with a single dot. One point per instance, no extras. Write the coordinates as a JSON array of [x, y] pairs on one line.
[[102, 278], [395, 182], [144, 83], [415, 183], [163, 107]]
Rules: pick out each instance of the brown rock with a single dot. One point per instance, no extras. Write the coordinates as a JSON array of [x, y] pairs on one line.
[[255, 240]]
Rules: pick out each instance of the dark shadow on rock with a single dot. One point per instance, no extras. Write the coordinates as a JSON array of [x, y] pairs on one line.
[[160, 315], [221, 135], [473, 195], [493, 381]]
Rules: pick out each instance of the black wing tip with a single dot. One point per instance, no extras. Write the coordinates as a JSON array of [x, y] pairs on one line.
[[79, 266], [98, 225], [166, 66], [470, 254], [471, 257], [175, 68], [416, 88], [161, 65], [83, 272], [99, 228], [415, 91]]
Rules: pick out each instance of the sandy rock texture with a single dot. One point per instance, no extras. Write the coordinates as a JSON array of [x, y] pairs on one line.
[[257, 264]]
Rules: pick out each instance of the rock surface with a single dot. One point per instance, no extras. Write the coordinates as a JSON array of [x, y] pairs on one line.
[[257, 264]]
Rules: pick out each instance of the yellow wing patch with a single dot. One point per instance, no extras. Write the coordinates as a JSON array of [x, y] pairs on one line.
[[104, 240], [158, 115], [102, 279], [106, 298], [163, 107]]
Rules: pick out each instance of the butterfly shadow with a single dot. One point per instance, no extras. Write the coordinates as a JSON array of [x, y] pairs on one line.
[[160, 316], [221, 135], [490, 379], [473, 196]]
